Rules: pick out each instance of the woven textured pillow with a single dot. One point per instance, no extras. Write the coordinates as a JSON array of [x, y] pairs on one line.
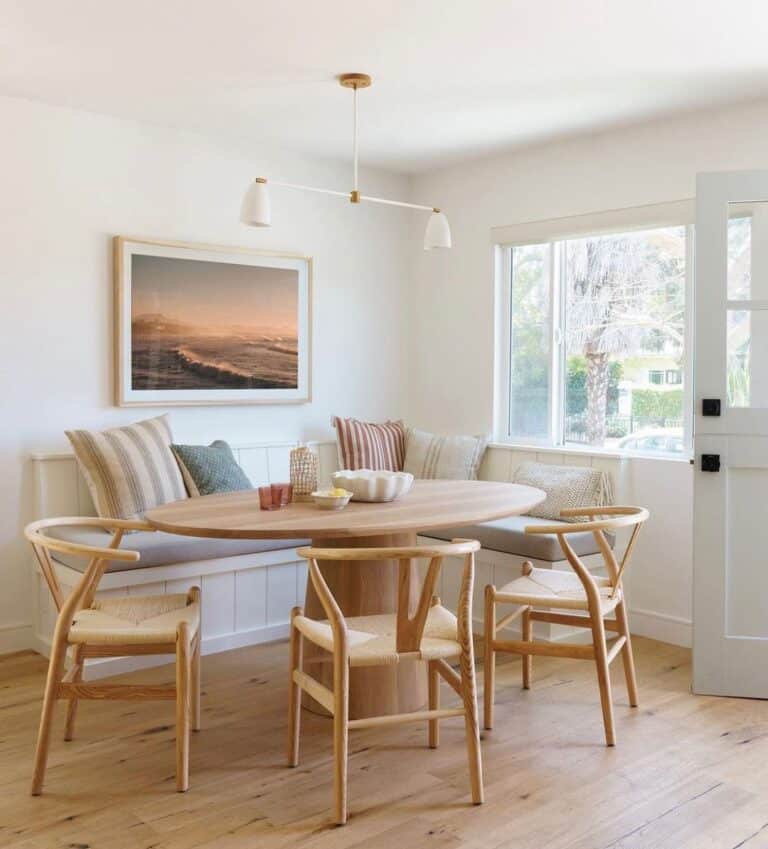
[[129, 470], [367, 445], [566, 486], [210, 468], [429, 456]]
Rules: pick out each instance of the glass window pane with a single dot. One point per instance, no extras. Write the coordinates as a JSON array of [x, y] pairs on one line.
[[747, 358], [739, 253], [625, 320], [738, 334], [530, 348]]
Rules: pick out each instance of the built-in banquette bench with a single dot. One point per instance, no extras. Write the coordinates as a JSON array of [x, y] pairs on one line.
[[249, 587]]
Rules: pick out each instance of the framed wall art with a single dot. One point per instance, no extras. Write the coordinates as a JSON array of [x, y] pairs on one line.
[[201, 324]]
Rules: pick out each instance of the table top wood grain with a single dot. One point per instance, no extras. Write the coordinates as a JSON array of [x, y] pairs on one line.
[[429, 505]]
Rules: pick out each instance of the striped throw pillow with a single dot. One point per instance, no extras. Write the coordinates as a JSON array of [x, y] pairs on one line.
[[429, 456], [367, 445], [129, 469]]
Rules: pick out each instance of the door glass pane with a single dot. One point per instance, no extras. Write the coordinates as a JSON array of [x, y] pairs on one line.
[[739, 251], [530, 342], [625, 322], [747, 358]]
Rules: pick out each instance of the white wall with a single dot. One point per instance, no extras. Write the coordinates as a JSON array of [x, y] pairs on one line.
[[451, 355], [70, 181]]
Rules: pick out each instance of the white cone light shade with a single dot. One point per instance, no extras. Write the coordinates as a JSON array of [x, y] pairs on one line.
[[256, 210], [438, 232]]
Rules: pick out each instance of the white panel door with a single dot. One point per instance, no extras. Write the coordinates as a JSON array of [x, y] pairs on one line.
[[730, 598]]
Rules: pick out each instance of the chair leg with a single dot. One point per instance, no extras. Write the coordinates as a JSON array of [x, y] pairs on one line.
[[182, 706], [433, 677], [603, 676], [69, 727], [294, 691], [627, 658], [194, 683], [55, 672], [195, 672], [340, 736], [471, 723], [527, 629], [489, 656]]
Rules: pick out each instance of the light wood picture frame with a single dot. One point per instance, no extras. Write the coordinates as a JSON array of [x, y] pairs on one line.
[[200, 324]]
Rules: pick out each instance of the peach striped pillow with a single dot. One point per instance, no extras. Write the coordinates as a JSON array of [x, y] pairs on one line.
[[368, 445]]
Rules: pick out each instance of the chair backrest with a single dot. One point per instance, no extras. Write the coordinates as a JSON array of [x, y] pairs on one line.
[[601, 519], [412, 606], [98, 556]]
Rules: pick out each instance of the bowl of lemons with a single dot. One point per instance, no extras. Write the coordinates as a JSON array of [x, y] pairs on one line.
[[332, 499]]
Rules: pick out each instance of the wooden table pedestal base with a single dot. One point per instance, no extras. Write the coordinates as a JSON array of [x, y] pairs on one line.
[[364, 588]]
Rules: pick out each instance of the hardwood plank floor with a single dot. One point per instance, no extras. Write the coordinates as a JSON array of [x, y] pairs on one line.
[[688, 772]]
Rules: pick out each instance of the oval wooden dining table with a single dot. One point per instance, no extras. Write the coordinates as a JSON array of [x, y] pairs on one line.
[[362, 587]]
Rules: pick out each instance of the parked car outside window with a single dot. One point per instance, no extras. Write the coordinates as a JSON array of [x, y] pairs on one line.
[[668, 441]]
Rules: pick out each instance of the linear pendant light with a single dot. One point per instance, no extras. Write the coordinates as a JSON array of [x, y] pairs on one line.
[[256, 210]]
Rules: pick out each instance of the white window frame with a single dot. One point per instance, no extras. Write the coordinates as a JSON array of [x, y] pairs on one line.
[[555, 232]]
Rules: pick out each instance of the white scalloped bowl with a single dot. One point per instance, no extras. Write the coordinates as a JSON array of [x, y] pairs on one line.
[[367, 485]]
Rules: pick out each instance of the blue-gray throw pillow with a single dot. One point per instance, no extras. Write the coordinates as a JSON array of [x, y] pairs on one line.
[[210, 468]]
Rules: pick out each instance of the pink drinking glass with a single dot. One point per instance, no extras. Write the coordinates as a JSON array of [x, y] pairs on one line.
[[282, 493], [266, 499]]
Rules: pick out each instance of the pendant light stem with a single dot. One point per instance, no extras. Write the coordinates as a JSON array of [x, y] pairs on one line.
[[354, 140]]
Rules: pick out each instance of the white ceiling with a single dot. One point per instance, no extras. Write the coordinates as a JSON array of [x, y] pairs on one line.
[[452, 78]]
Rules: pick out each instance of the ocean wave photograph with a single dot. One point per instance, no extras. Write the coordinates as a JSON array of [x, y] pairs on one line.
[[208, 325]]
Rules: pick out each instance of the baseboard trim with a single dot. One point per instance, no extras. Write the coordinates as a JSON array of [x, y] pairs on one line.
[[104, 667], [661, 626]]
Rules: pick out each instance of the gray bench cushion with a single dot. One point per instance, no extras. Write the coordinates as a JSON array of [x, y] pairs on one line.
[[161, 549], [508, 535]]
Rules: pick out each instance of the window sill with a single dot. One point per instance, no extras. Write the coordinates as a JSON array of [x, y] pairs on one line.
[[607, 453]]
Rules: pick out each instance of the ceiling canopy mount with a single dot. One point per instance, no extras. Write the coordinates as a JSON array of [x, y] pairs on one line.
[[354, 80]]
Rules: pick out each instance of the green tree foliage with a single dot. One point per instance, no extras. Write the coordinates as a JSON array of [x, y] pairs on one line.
[[657, 404]]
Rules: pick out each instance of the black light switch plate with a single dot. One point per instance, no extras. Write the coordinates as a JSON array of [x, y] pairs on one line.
[[710, 407]]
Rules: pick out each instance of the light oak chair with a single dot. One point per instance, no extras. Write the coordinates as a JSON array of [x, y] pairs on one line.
[[592, 602], [430, 633], [114, 627]]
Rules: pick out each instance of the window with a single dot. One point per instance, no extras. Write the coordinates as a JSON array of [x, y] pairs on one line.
[[530, 386], [596, 336]]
